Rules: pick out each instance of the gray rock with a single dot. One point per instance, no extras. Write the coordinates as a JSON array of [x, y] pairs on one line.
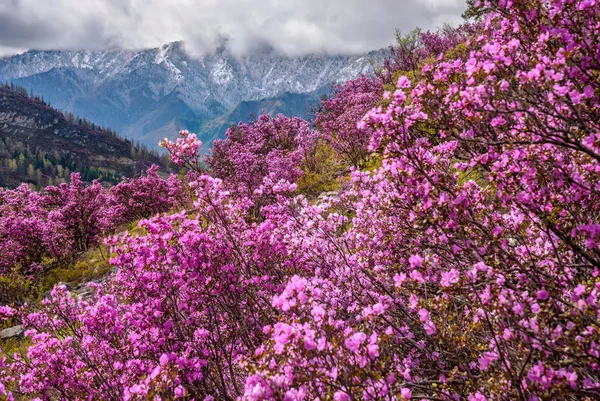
[[83, 291], [11, 332], [81, 287], [68, 286], [85, 295]]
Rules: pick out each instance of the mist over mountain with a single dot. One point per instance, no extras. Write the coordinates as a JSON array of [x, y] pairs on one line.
[[151, 94]]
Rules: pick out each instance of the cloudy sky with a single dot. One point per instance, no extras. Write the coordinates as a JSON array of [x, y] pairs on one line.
[[291, 26]]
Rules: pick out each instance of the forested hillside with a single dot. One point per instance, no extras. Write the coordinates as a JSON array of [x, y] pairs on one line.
[[42, 146]]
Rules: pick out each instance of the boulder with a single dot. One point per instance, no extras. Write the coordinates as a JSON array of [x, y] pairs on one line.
[[11, 332]]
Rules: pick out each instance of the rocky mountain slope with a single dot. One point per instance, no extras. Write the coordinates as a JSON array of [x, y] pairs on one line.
[[150, 94], [41, 145]]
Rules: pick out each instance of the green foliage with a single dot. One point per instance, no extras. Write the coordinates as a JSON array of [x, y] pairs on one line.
[[134, 228], [411, 41], [477, 175], [14, 288], [11, 346], [457, 52], [321, 169], [475, 12], [373, 163], [407, 46], [92, 265]]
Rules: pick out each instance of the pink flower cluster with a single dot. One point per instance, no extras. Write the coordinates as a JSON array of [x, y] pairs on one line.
[[145, 196], [72, 217], [28, 231], [185, 151], [339, 115], [260, 159]]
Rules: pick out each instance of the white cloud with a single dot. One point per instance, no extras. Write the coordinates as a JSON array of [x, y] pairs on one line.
[[290, 26]]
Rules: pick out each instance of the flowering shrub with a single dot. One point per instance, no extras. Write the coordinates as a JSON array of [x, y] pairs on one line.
[[81, 210], [471, 267], [415, 48], [465, 267], [338, 117], [27, 232], [185, 151], [73, 217], [188, 302], [256, 157], [142, 197]]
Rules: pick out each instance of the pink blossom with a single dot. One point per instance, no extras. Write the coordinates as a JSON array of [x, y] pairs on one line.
[[354, 341]]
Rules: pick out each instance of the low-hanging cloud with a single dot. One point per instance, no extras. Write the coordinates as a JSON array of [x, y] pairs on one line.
[[292, 27]]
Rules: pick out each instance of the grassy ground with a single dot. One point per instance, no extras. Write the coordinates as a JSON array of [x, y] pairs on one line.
[[89, 266], [86, 267]]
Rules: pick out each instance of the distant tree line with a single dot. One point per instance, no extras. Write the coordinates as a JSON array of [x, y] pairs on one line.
[[41, 168]]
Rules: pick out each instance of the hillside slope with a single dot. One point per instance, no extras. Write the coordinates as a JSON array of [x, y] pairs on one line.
[[39, 145]]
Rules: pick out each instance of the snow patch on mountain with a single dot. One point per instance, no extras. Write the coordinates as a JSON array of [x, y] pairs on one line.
[[222, 72]]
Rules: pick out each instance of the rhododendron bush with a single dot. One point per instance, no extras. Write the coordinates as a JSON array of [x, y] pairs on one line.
[[72, 217], [417, 47], [465, 267], [338, 116], [175, 320], [145, 196], [27, 231], [255, 157]]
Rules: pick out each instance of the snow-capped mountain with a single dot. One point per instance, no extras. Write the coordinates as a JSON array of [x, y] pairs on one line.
[[153, 93]]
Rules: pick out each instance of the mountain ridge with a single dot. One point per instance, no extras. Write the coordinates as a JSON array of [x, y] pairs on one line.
[[132, 91]]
